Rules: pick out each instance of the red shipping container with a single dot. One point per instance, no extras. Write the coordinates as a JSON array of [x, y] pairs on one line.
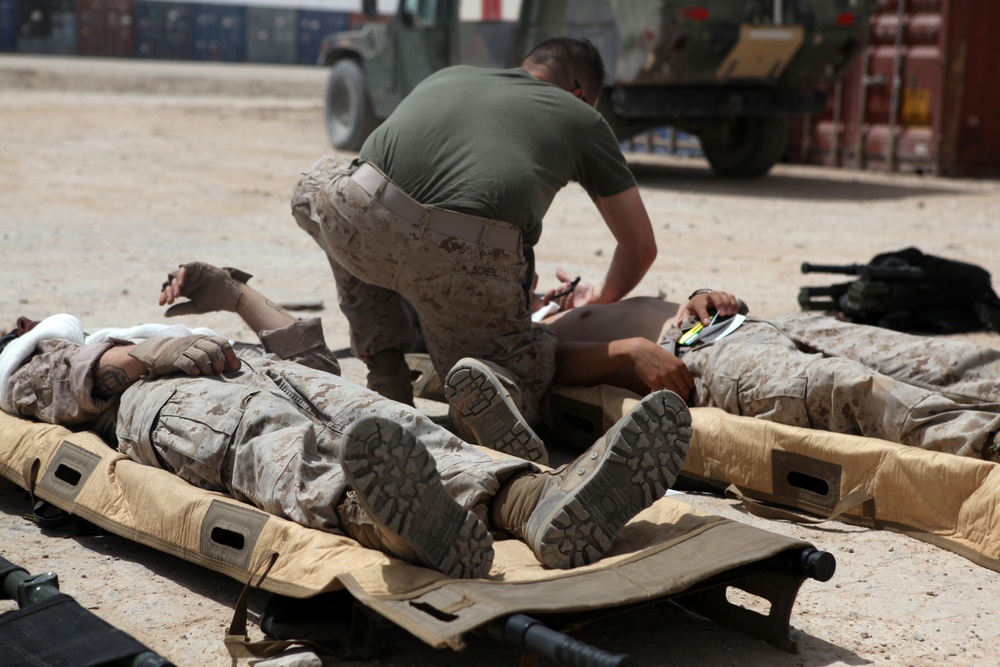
[[919, 99], [105, 28]]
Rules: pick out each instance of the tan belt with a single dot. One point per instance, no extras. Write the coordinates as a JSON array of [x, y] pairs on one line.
[[492, 233]]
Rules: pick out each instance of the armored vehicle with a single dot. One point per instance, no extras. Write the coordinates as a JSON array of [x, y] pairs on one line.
[[731, 72]]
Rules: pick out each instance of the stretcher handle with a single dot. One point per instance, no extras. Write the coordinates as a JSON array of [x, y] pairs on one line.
[[17, 585], [25, 589], [808, 562], [532, 636]]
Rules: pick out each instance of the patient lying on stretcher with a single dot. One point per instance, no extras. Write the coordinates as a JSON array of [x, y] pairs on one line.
[[799, 369], [275, 426]]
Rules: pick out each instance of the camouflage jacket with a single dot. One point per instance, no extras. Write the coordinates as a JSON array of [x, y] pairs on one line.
[[55, 385]]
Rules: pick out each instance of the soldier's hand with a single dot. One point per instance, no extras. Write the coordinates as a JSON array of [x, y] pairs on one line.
[[572, 292], [207, 287], [193, 355], [701, 306], [659, 369]]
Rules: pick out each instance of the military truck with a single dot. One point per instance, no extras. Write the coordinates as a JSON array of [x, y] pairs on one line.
[[731, 72]]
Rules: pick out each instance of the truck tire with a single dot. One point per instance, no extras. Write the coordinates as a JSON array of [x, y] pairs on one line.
[[749, 147], [349, 115]]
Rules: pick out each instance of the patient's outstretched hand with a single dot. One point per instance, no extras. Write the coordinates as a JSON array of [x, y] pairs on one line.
[[207, 287]]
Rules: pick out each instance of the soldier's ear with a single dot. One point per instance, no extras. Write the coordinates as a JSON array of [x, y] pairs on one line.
[[24, 325]]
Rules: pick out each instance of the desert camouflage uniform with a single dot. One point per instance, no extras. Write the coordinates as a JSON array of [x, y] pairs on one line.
[[267, 434], [379, 258], [817, 372]]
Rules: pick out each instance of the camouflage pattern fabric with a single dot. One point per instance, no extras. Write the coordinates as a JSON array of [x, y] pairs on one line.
[[469, 297], [267, 434], [301, 342], [817, 372]]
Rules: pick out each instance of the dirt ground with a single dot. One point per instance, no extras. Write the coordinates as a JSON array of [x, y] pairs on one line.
[[112, 173]]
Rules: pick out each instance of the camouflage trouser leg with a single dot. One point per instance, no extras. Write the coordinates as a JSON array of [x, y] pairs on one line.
[[379, 320], [469, 297], [270, 437], [816, 372], [965, 372]]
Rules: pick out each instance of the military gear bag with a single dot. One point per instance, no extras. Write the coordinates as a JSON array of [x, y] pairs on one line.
[[909, 291]]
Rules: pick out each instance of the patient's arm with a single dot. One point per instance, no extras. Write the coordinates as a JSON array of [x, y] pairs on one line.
[[122, 366], [210, 288], [116, 371], [637, 364]]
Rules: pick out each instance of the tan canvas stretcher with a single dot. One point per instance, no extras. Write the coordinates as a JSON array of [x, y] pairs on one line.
[[947, 500], [668, 551]]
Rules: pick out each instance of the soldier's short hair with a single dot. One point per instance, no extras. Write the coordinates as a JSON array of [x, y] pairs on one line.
[[571, 63]]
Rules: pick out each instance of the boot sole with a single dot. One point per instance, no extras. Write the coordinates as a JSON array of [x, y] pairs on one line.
[[476, 394], [398, 485], [644, 454]]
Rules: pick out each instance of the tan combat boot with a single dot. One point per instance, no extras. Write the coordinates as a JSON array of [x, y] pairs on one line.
[[396, 482], [571, 516], [389, 375], [484, 411]]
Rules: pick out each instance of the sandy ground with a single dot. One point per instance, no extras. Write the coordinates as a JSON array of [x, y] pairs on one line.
[[111, 173]]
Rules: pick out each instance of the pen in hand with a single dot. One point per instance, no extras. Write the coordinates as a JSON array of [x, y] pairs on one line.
[[572, 286]]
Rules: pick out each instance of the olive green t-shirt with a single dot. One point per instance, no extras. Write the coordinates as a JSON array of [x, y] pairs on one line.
[[497, 144]]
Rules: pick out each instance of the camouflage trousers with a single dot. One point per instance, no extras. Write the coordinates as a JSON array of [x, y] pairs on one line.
[[269, 435], [469, 296], [817, 372]]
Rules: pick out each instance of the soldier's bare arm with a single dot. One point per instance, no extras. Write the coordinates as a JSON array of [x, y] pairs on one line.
[[626, 217]]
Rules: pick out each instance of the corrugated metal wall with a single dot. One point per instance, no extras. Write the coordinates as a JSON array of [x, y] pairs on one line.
[[921, 98], [168, 30]]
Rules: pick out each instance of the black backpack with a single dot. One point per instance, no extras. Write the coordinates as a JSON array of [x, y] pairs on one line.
[[909, 291]]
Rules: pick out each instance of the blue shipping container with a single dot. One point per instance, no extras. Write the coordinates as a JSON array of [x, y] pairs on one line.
[[164, 30], [8, 25], [220, 33], [271, 35], [313, 27]]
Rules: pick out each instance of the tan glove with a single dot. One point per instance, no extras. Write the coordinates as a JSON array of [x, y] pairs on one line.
[[209, 289], [193, 355]]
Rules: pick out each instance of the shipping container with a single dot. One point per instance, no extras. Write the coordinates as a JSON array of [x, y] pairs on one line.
[[271, 35], [105, 28], [664, 141], [164, 30], [47, 26], [313, 27], [8, 25], [220, 32], [922, 97]]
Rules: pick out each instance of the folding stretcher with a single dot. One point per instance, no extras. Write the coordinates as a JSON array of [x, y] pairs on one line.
[[669, 551], [943, 499]]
